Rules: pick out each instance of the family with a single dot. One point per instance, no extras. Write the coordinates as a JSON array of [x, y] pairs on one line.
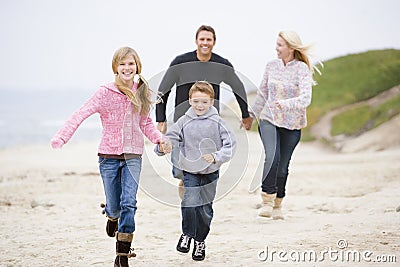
[[199, 140]]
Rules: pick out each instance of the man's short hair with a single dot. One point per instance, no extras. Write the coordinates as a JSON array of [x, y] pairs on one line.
[[206, 28]]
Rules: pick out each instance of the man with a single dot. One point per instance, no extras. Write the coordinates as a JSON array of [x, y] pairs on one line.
[[201, 64]]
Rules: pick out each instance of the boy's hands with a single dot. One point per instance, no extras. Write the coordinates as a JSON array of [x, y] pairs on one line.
[[209, 158]]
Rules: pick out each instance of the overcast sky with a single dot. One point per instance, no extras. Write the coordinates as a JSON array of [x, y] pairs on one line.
[[68, 44]]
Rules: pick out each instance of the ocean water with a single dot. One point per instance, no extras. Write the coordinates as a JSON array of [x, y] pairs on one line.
[[33, 117]]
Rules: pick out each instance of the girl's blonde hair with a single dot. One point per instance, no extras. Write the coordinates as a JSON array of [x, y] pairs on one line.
[[141, 99], [301, 51]]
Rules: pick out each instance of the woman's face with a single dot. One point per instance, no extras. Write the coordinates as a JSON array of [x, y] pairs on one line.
[[283, 51], [127, 69]]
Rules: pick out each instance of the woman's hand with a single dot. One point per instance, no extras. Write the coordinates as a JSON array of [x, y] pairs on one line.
[[278, 105]]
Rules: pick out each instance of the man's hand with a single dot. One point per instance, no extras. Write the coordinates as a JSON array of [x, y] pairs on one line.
[[162, 127], [246, 123]]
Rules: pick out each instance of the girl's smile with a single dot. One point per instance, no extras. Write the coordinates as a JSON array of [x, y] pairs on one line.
[[127, 69]]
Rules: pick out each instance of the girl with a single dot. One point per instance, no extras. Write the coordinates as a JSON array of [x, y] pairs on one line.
[[124, 107]]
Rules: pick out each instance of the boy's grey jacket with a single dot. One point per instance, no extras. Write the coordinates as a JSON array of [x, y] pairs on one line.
[[195, 136]]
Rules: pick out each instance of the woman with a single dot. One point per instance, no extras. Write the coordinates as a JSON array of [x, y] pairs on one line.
[[280, 105]]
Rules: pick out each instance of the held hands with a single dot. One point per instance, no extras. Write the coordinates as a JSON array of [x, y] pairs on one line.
[[165, 146], [246, 123], [209, 158], [57, 142]]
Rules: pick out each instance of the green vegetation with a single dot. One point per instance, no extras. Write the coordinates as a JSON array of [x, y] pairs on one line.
[[353, 78], [365, 117]]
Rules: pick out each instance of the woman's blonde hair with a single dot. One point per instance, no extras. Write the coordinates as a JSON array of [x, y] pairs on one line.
[[141, 99], [301, 51]]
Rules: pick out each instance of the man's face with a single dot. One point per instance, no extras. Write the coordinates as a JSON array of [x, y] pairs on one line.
[[205, 43]]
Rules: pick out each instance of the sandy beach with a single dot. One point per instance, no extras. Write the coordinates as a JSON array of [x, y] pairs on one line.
[[336, 201]]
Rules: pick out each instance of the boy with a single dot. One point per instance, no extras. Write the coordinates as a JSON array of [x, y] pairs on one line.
[[204, 143]]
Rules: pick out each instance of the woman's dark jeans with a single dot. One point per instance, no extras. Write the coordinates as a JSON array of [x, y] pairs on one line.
[[279, 144]]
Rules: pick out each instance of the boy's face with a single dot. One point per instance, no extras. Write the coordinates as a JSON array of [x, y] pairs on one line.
[[201, 103]]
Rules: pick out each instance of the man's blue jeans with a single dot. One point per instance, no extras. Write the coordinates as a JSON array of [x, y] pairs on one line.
[[120, 181], [279, 144], [196, 206]]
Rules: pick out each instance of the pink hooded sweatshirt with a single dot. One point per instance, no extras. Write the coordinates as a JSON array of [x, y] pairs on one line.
[[123, 128]]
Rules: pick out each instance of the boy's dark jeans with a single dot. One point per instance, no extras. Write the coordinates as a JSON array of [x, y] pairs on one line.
[[196, 206]]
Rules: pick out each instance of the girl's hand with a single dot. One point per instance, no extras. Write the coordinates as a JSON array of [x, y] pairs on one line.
[[57, 142], [209, 158]]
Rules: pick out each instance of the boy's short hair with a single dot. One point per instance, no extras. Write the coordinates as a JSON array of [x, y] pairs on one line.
[[203, 87]]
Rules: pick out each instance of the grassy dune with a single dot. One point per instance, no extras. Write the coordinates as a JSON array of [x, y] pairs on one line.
[[360, 119], [354, 78]]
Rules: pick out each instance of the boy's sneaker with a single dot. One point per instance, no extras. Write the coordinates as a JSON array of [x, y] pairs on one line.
[[184, 244], [199, 251]]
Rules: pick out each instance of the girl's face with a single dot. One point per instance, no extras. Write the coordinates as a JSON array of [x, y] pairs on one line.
[[201, 103], [283, 51], [127, 69]]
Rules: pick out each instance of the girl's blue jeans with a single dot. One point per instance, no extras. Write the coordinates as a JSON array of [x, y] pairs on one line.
[[120, 181], [196, 206], [279, 144]]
